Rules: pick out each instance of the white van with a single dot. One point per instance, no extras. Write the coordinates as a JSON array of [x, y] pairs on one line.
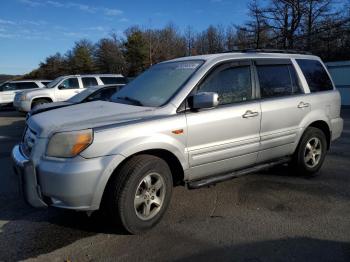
[[9, 89], [63, 88]]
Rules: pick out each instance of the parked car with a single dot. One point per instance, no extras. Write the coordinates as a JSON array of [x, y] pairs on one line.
[[9, 89], [95, 93], [63, 88], [193, 121]]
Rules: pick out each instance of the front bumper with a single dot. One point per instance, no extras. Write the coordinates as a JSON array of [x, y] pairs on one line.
[[22, 106], [75, 183], [27, 177]]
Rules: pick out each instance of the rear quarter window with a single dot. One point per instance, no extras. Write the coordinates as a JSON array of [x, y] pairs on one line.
[[315, 74], [26, 85], [113, 80]]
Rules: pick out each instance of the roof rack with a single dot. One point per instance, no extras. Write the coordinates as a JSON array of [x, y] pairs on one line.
[[283, 51]]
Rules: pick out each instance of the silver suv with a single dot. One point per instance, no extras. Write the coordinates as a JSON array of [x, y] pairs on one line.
[[193, 121]]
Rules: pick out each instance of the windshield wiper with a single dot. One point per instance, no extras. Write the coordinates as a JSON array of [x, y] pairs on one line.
[[129, 99]]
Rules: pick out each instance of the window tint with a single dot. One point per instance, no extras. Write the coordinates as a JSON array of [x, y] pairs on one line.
[[45, 82], [277, 80], [26, 85], [8, 87], [315, 74], [113, 80], [233, 84], [18, 86], [70, 83], [103, 94], [89, 81]]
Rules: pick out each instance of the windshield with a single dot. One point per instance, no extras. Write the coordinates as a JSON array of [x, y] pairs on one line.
[[54, 82], [82, 95], [158, 84]]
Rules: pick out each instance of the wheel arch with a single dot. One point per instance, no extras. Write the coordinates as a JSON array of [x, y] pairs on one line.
[[324, 127], [39, 98], [173, 162]]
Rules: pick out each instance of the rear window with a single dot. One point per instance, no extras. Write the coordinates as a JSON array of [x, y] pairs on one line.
[[89, 81], [315, 75], [113, 80]]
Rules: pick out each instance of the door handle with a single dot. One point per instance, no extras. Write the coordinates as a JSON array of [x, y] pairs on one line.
[[302, 104], [250, 113]]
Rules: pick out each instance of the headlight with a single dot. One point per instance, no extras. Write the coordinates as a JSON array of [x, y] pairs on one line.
[[23, 97], [69, 144]]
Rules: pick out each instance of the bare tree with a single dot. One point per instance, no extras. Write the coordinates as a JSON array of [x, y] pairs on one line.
[[284, 17]]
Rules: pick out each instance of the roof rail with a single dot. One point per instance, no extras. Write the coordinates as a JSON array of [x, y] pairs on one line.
[[283, 51]]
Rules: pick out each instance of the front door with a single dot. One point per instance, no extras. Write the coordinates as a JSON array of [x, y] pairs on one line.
[[68, 88], [225, 138]]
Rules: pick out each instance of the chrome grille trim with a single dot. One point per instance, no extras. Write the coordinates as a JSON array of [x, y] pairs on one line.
[[28, 141]]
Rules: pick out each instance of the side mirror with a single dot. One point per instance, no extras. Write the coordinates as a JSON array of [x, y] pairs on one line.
[[205, 100], [62, 86]]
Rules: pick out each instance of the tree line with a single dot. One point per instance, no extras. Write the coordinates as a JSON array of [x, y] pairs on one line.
[[319, 26]]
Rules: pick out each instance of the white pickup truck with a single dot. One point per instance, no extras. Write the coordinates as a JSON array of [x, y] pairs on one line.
[[63, 88]]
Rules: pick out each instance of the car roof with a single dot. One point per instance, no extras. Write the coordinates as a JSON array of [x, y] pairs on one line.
[[103, 86], [29, 80], [95, 75], [246, 55]]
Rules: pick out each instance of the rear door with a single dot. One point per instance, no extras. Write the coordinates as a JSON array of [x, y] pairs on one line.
[[283, 107], [225, 138], [89, 81]]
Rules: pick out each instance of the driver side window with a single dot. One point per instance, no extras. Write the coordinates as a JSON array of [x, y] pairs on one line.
[[70, 83], [231, 82]]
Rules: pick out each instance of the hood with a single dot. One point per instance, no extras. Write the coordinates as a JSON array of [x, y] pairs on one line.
[[49, 106], [37, 92], [86, 115]]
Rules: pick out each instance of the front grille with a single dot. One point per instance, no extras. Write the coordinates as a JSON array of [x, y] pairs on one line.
[[28, 141]]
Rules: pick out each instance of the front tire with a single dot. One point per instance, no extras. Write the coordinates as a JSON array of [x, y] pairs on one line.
[[140, 193], [311, 152], [39, 102]]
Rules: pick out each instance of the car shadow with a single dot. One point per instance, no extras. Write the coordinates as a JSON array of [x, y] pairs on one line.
[[26, 232], [287, 249]]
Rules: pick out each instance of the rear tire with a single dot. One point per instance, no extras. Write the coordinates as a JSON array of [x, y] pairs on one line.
[[39, 102], [310, 153], [139, 195]]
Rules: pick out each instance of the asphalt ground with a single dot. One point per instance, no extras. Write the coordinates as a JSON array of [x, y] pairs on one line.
[[270, 216]]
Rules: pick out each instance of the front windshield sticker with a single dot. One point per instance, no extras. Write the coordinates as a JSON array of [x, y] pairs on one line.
[[187, 66]]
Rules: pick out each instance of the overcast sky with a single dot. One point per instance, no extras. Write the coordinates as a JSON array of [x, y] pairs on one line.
[[30, 30]]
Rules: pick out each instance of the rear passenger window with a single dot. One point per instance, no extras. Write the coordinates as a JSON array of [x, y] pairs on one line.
[[89, 81], [231, 83], [113, 80], [277, 80], [315, 74]]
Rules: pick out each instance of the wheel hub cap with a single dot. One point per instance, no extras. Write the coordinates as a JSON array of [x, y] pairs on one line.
[[313, 152], [149, 196]]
